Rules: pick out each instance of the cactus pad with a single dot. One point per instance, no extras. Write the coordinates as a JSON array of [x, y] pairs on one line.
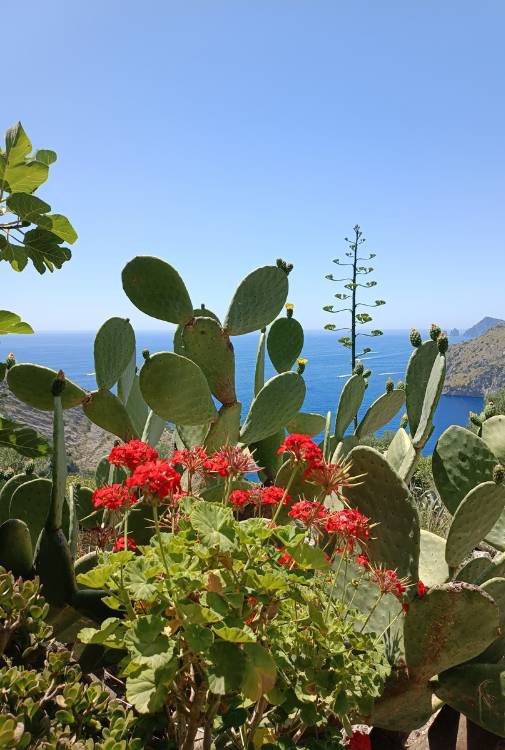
[[381, 412], [176, 389], [473, 570], [284, 343], [157, 289], [208, 346], [16, 552], [461, 461], [417, 376], [30, 503], [113, 350], [259, 369], [108, 412], [405, 705], [431, 397], [7, 492], [258, 300], [402, 455], [474, 518], [105, 473], [265, 455], [225, 430], [384, 498], [276, 404], [433, 569], [307, 423], [31, 384], [136, 407], [187, 436], [478, 692], [349, 403], [448, 626], [493, 434], [153, 429]]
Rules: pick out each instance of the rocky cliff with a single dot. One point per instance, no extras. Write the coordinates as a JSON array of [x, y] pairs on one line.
[[477, 366]]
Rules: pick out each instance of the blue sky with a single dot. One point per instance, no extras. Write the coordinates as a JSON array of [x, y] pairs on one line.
[[222, 134]]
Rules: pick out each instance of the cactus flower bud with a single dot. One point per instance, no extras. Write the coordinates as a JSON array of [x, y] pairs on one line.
[[475, 419], [289, 309], [301, 362], [58, 384], [499, 473], [358, 367], [367, 373], [10, 360], [286, 267], [435, 331], [400, 386], [490, 410], [404, 421], [146, 354], [389, 385], [415, 337], [442, 343]]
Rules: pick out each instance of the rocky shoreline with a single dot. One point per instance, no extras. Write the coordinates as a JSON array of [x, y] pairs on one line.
[[477, 366]]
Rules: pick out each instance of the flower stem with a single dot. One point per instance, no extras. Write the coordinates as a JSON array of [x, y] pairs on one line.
[[286, 490], [160, 542], [371, 612]]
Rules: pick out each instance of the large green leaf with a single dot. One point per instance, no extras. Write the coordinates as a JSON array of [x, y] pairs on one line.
[[17, 172], [214, 525], [30, 208], [11, 323], [25, 440]]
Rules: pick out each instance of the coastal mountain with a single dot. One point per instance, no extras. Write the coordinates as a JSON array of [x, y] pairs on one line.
[[482, 326], [477, 366]]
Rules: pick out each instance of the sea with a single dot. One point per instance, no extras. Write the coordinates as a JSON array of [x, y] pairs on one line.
[[326, 372]]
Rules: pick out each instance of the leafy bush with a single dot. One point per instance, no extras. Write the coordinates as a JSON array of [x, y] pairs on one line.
[[50, 705]]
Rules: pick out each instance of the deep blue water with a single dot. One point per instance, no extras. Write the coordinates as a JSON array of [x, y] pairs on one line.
[[325, 373]]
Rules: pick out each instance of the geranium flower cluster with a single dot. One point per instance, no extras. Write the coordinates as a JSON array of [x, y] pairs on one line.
[[113, 497], [230, 461], [258, 496], [149, 478], [132, 454], [349, 525], [330, 477], [155, 479]]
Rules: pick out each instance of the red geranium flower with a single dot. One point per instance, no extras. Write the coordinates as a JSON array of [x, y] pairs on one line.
[[330, 477], [119, 544], [132, 454], [388, 581], [350, 525], [363, 560], [192, 459], [240, 498], [301, 448], [273, 495], [155, 479], [285, 559], [422, 590], [308, 512], [359, 741], [113, 497], [230, 461]]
